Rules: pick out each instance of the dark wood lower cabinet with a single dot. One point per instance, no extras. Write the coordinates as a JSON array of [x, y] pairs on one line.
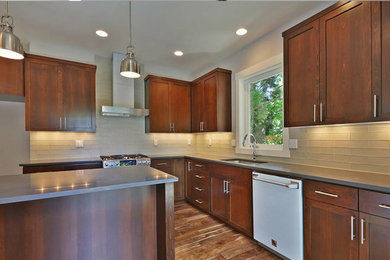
[[330, 232], [176, 168], [62, 167], [220, 200], [374, 237]]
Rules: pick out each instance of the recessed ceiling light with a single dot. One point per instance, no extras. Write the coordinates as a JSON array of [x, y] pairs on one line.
[[178, 53], [241, 31], [102, 33]]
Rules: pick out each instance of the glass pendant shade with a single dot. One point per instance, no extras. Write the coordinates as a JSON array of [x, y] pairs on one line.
[[129, 66], [10, 45]]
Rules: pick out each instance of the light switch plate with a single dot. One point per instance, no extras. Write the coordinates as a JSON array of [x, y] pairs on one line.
[[210, 142], [233, 142]]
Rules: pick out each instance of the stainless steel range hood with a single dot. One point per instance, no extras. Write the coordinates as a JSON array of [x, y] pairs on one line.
[[122, 93]]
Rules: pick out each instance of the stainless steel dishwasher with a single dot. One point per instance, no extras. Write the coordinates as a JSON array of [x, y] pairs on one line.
[[278, 214]]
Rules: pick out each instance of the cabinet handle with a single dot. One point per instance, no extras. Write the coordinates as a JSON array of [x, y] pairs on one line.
[[326, 194], [352, 228], [162, 163], [227, 187], [224, 187], [173, 127], [362, 231], [60, 122], [170, 127], [199, 176], [199, 201], [199, 165], [201, 126], [320, 112], [198, 189], [315, 112], [65, 121], [375, 106], [189, 166], [384, 206]]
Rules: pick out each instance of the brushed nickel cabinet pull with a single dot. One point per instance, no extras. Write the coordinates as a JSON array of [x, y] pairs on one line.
[[362, 231], [201, 126], [189, 166], [65, 121], [161, 164], [384, 206], [224, 187], [199, 176], [320, 112], [375, 106], [315, 112], [326, 194], [352, 228], [199, 165], [227, 187], [173, 127], [198, 189], [199, 201], [60, 122]]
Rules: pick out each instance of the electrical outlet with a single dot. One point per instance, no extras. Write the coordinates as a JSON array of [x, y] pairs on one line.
[[79, 143], [234, 143], [189, 141], [293, 144], [210, 142], [155, 142]]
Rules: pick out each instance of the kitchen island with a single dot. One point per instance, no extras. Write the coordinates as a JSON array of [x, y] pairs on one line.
[[118, 213]]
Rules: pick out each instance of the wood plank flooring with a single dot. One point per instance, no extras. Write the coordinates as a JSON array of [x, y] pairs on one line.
[[201, 236]]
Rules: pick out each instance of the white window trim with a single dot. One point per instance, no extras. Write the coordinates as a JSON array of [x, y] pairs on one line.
[[242, 117]]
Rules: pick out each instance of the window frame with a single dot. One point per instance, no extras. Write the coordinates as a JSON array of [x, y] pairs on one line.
[[257, 72]]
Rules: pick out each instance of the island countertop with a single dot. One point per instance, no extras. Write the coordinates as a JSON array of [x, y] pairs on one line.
[[26, 187]]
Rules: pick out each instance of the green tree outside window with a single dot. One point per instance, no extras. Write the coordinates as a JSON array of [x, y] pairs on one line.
[[266, 110]]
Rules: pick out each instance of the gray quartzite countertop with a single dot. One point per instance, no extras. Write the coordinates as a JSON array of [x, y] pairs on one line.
[[365, 180], [26, 187]]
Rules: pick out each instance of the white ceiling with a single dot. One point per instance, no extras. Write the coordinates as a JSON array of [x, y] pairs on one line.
[[205, 31]]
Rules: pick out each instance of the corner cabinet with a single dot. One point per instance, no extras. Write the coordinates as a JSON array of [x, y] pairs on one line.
[[60, 95], [336, 66], [211, 102], [169, 104]]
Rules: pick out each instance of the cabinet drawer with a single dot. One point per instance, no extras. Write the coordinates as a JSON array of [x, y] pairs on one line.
[[198, 166], [197, 177], [164, 165], [375, 203], [331, 193]]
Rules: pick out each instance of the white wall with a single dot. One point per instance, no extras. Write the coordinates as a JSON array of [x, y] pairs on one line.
[[14, 140]]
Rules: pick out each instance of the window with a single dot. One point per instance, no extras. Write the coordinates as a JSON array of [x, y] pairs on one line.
[[260, 109], [266, 109]]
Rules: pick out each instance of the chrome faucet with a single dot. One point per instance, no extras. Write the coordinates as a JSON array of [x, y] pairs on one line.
[[253, 144]]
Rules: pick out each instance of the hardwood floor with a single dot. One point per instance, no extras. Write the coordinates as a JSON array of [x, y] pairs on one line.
[[201, 236]]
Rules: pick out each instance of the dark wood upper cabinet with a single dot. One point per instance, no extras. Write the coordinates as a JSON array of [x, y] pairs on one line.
[[60, 95], [79, 98], [211, 102], [169, 104], [381, 60], [330, 232], [43, 84], [353, 58], [302, 76], [345, 62], [11, 77]]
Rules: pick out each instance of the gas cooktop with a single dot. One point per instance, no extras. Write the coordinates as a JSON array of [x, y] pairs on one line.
[[124, 160]]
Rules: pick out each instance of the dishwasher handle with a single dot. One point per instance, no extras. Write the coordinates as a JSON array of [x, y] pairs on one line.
[[291, 185]]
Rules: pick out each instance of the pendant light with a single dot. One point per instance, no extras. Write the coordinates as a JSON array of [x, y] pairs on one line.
[[10, 45], [129, 66]]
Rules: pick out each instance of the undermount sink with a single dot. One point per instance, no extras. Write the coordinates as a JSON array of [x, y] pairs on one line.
[[243, 161]]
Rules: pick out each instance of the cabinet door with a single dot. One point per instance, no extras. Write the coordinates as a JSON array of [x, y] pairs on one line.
[[197, 104], [241, 205], [331, 232], [302, 75], [11, 77], [79, 98], [374, 237], [159, 106], [382, 93], [180, 107], [43, 95], [345, 62], [210, 104], [220, 200]]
